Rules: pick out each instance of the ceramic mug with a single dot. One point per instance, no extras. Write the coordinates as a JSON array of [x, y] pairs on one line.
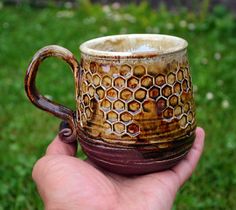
[[135, 109]]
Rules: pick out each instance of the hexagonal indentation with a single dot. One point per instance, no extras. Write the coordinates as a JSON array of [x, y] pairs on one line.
[[96, 80], [173, 100], [100, 93], [154, 92], [106, 105], [186, 107], [133, 129], [190, 117], [119, 128], [84, 87], [180, 75], [125, 70], [106, 81], [126, 94], [177, 111], [119, 82], [93, 67], [132, 82], [126, 117], [161, 104], [112, 116], [166, 91], [107, 127], [119, 105], [86, 99], [146, 82], [168, 113], [177, 88], [112, 94], [183, 121], [185, 85], [100, 69], [88, 77], [91, 90], [160, 80], [88, 113], [149, 106], [140, 94], [92, 104], [152, 70], [171, 78], [133, 106], [184, 97], [139, 71]]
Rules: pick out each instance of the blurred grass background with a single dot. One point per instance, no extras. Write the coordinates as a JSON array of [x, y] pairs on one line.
[[26, 131]]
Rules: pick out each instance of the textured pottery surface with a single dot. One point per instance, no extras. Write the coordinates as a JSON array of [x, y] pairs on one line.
[[135, 109]]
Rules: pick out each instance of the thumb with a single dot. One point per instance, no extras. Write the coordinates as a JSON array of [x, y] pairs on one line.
[[186, 167]]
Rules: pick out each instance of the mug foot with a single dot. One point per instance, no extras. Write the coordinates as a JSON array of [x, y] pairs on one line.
[[137, 168], [134, 160]]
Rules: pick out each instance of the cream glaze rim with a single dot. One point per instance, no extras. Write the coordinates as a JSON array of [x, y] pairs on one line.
[[86, 48]]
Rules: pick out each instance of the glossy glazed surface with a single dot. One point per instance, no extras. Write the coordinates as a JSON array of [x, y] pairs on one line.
[[135, 108], [136, 101]]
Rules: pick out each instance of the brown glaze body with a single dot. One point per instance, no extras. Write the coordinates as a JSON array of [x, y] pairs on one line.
[[135, 112], [136, 101]]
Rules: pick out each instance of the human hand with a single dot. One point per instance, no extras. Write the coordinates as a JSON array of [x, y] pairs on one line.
[[67, 183]]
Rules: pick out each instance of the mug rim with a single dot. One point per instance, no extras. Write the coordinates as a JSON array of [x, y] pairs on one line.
[[86, 48]]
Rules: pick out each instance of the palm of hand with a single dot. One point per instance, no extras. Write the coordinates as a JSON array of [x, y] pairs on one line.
[[66, 182]]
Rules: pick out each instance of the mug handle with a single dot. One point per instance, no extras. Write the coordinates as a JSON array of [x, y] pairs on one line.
[[40, 101]]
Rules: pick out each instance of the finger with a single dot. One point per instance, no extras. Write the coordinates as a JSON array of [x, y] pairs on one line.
[[186, 167], [57, 147]]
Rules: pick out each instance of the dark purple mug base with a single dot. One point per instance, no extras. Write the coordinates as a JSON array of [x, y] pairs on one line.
[[137, 168], [134, 160]]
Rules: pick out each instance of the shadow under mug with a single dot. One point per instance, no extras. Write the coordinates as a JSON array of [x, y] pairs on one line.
[[135, 109]]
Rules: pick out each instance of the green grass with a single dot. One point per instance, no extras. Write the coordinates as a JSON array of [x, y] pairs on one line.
[[26, 131]]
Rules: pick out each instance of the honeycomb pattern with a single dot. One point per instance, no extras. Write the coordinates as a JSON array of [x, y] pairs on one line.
[[119, 106], [126, 95], [106, 82], [140, 94], [134, 106], [106, 105], [117, 95], [119, 83], [146, 82], [132, 83]]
